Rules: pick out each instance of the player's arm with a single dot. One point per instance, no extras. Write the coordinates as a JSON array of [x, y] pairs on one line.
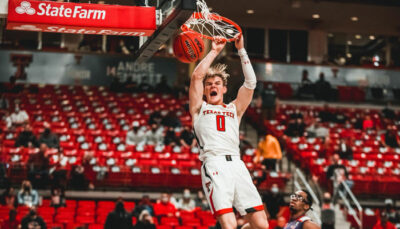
[[245, 93], [310, 225], [196, 81]]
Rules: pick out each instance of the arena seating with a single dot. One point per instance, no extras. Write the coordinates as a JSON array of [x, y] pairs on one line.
[[86, 117], [374, 169]]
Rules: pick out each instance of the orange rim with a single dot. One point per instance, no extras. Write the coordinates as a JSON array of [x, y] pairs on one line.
[[198, 15]]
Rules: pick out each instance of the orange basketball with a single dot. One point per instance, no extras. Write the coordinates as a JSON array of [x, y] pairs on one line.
[[188, 47]]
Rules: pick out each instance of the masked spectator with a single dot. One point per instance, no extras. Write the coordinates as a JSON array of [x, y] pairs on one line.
[[39, 165], [19, 117], [135, 136], [119, 218], [26, 138], [33, 220], [49, 138], [201, 201], [144, 204], [145, 221], [164, 207], [27, 195], [268, 152], [186, 203]]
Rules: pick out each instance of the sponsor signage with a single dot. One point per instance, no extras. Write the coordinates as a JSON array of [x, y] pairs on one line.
[[82, 18]]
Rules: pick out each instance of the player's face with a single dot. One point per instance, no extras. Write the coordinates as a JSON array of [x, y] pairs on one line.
[[298, 202], [214, 90]]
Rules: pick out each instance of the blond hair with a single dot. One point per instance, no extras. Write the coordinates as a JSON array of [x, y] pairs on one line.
[[217, 70]]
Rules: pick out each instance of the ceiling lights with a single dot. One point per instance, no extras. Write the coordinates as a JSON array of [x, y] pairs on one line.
[[349, 42], [354, 18], [372, 37], [358, 36], [250, 11], [315, 16]]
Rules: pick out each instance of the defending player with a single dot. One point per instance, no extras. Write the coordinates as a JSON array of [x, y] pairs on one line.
[[226, 180], [300, 203]]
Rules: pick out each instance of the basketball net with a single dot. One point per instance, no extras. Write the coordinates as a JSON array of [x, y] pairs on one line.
[[211, 25]]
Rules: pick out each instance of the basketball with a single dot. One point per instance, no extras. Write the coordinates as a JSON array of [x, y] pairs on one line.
[[188, 47]]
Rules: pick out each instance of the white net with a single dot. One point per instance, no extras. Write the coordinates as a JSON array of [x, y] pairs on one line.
[[211, 25]]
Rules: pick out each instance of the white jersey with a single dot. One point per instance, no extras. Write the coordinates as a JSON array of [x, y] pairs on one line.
[[217, 130]]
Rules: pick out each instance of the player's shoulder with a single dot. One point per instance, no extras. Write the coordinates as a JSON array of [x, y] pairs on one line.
[[308, 224]]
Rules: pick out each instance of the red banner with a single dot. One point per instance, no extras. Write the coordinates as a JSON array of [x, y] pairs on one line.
[[63, 17]]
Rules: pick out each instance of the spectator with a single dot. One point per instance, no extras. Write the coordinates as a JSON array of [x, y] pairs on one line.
[[155, 117], [8, 198], [323, 89], [317, 130], [390, 211], [383, 222], [49, 138], [33, 220], [154, 135], [327, 212], [164, 207], [8, 121], [187, 138], [344, 149], [135, 136], [4, 103], [19, 117], [368, 123], [274, 202], [201, 201], [268, 97], [162, 87], [388, 112], [171, 120], [337, 172], [144, 204], [280, 223], [186, 203], [144, 85], [119, 218], [295, 128], [170, 137], [26, 138], [27, 195], [12, 222], [326, 115], [38, 165], [268, 152], [390, 138], [306, 89], [57, 197], [145, 221]]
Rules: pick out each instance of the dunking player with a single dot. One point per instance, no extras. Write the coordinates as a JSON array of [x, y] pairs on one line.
[[300, 203], [226, 180]]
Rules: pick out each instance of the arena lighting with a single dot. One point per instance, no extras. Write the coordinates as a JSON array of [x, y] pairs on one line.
[[349, 42], [315, 16], [354, 18], [348, 55], [330, 34], [372, 37], [358, 36], [250, 11]]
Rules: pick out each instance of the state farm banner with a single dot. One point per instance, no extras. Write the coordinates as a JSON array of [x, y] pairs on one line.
[[83, 18]]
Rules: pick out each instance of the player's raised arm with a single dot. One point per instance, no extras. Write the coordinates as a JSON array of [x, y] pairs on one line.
[[196, 82], [245, 93]]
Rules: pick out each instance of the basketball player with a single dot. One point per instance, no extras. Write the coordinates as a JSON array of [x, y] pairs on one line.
[[300, 203], [226, 180]]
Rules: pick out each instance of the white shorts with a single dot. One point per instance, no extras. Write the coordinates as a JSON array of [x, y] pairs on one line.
[[227, 183]]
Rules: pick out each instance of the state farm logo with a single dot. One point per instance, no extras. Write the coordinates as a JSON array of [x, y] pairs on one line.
[[50, 9], [25, 7]]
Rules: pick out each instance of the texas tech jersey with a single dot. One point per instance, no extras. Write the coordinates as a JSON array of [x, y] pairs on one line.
[[217, 130]]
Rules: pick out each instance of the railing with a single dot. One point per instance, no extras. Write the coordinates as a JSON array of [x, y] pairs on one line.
[[316, 206], [343, 196]]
